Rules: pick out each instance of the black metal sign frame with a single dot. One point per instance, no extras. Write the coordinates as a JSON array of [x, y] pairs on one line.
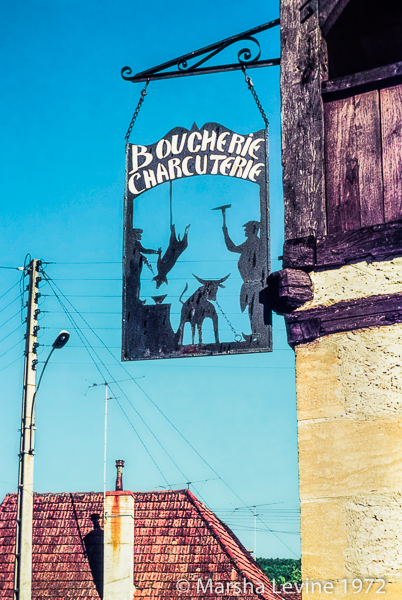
[[183, 66], [147, 328]]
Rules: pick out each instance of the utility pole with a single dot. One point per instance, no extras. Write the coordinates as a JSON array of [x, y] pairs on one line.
[[255, 532], [23, 545], [105, 450]]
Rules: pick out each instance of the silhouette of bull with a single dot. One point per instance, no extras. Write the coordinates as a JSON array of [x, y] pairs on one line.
[[197, 308]]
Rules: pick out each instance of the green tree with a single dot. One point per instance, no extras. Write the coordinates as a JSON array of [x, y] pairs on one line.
[[283, 570]]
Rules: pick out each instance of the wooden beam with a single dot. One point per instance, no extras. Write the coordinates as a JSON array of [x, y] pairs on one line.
[[358, 82], [303, 67], [378, 242], [286, 290], [376, 311], [330, 11], [300, 253]]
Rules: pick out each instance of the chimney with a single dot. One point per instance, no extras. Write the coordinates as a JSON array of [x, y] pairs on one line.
[[119, 477], [118, 542]]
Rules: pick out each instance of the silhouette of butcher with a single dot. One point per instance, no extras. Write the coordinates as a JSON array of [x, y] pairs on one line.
[[137, 261], [250, 267]]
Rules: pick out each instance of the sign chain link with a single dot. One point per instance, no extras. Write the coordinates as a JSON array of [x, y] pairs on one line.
[[137, 110], [250, 85], [237, 336]]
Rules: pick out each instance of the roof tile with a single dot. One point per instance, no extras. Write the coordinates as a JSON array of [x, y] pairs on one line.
[[176, 537]]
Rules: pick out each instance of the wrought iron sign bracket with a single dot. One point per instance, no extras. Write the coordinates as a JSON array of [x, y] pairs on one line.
[[183, 69]]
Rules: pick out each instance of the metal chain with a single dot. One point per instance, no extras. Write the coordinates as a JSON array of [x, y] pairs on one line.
[[250, 85], [137, 110], [237, 336]]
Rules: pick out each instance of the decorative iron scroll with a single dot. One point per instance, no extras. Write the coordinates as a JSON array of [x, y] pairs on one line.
[[184, 65], [174, 303]]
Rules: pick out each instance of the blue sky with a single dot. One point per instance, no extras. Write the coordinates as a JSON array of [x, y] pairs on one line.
[[64, 113]]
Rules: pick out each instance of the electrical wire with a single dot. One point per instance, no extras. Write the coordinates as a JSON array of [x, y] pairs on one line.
[[8, 335], [9, 290], [51, 284], [191, 482], [10, 319], [76, 327], [93, 312], [119, 328], [240, 528], [119, 279], [11, 363], [13, 268], [118, 262], [12, 302], [186, 368], [12, 348]]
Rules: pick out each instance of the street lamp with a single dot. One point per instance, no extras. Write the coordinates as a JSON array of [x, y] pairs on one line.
[[23, 541], [58, 343]]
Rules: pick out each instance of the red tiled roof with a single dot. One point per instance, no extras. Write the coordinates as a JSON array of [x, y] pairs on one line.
[[176, 537]]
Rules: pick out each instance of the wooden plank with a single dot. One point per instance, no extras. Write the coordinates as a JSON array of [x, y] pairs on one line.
[[378, 242], [306, 331], [377, 311], [299, 253], [358, 307], [364, 78], [286, 290], [368, 134], [391, 120], [303, 67], [353, 162], [342, 169]]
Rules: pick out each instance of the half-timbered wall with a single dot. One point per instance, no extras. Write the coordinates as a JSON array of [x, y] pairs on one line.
[[339, 288], [341, 137]]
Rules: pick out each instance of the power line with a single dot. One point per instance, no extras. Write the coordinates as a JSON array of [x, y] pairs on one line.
[[8, 335], [187, 367], [13, 268], [233, 526], [119, 279], [192, 482], [10, 319], [12, 302], [107, 382], [119, 328], [156, 406], [110, 312], [11, 363], [12, 348], [118, 262], [256, 505], [119, 296], [9, 290], [81, 335], [116, 383]]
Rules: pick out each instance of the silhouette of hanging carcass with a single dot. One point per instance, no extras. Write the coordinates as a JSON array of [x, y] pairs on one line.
[[176, 246], [197, 308], [168, 260]]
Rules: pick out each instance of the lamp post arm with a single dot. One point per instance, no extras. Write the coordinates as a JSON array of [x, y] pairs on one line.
[[32, 427]]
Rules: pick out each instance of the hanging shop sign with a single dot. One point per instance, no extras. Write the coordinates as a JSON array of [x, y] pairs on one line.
[[196, 250]]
